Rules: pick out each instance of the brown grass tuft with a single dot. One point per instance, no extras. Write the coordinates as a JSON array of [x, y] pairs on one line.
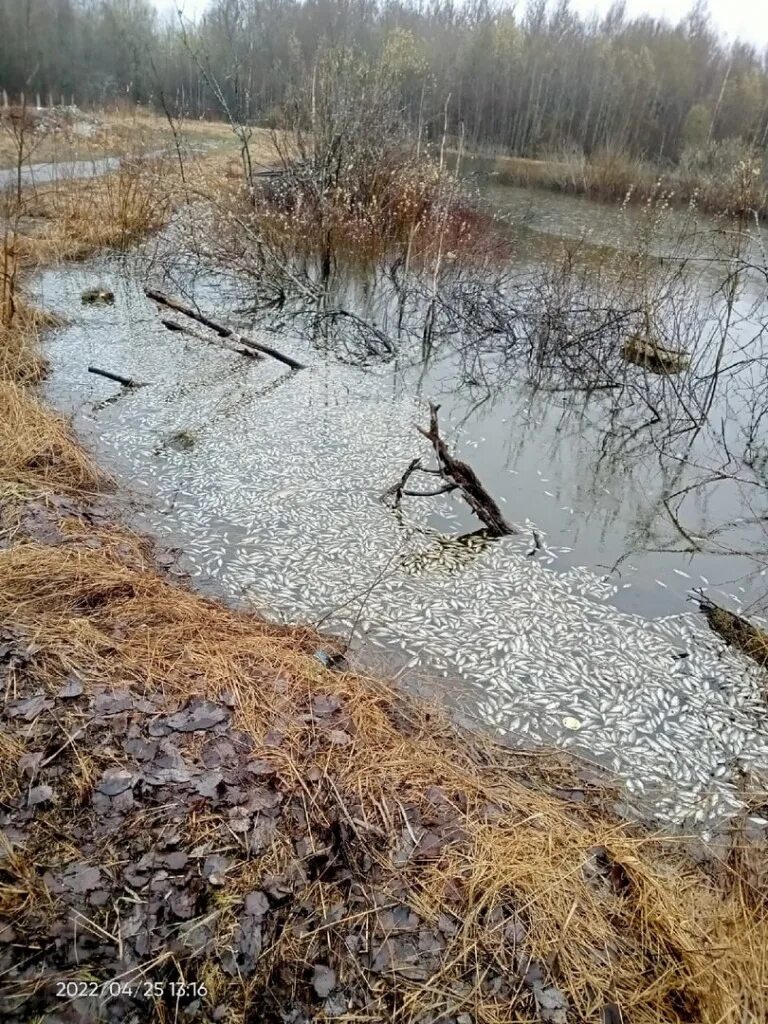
[[403, 208], [37, 447], [734, 187]]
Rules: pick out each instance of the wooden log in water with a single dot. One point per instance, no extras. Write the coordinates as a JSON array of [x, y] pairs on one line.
[[651, 355], [220, 329], [177, 328], [127, 382]]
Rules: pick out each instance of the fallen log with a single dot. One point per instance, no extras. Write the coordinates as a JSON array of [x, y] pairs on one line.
[[177, 328], [462, 476], [127, 382], [457, 476], [221, 330], [650, 354]]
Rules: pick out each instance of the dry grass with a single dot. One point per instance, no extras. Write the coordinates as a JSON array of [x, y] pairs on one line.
[[37, 448], [20, 358], [131, 131], [75, 219], [396, 207]]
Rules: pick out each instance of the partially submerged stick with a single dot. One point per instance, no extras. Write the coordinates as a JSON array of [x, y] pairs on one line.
[[397, 491], [221, 330], [127, 382], [177, 328], [457, 476], [462, 476]]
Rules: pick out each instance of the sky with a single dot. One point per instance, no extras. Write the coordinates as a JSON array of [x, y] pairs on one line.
[[743, 19]]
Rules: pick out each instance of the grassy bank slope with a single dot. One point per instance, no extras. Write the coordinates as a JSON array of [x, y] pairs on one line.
[[61, 134]]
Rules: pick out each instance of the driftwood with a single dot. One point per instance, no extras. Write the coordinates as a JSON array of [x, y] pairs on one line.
[[650, 354], [462, 476], [457, 475], [172, 325], [221, 330], [397, 491], [127, 382]]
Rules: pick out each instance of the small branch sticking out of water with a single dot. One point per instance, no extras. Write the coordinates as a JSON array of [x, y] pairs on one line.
[[127, 382], [395, 492], [221, 330], [458, 476], [398, 491], [177, 328]]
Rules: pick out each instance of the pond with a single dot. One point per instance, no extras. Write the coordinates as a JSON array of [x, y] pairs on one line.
[[572, 632]]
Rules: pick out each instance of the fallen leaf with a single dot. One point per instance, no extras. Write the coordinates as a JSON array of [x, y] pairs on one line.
[[323, 980], [339, 738], [28, 763], [115, 781], [214, 869], [325, 704], [80, 878], [163, 776], [208, 784], [39, 795], [72, 688], [256, 904], [113, 703], [197, 717], [28, 708]]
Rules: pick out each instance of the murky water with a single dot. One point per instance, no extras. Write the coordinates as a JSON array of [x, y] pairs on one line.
[[270, 482]]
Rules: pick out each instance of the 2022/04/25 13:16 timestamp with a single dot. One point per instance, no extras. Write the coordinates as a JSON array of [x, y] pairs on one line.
[[136, 989]]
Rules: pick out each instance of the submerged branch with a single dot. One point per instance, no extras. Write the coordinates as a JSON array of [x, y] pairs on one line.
[[127, 382], [396, 491], [221, 330], [176, 328]]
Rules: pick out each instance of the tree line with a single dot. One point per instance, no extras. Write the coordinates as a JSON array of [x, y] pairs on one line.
[[530, 82]]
